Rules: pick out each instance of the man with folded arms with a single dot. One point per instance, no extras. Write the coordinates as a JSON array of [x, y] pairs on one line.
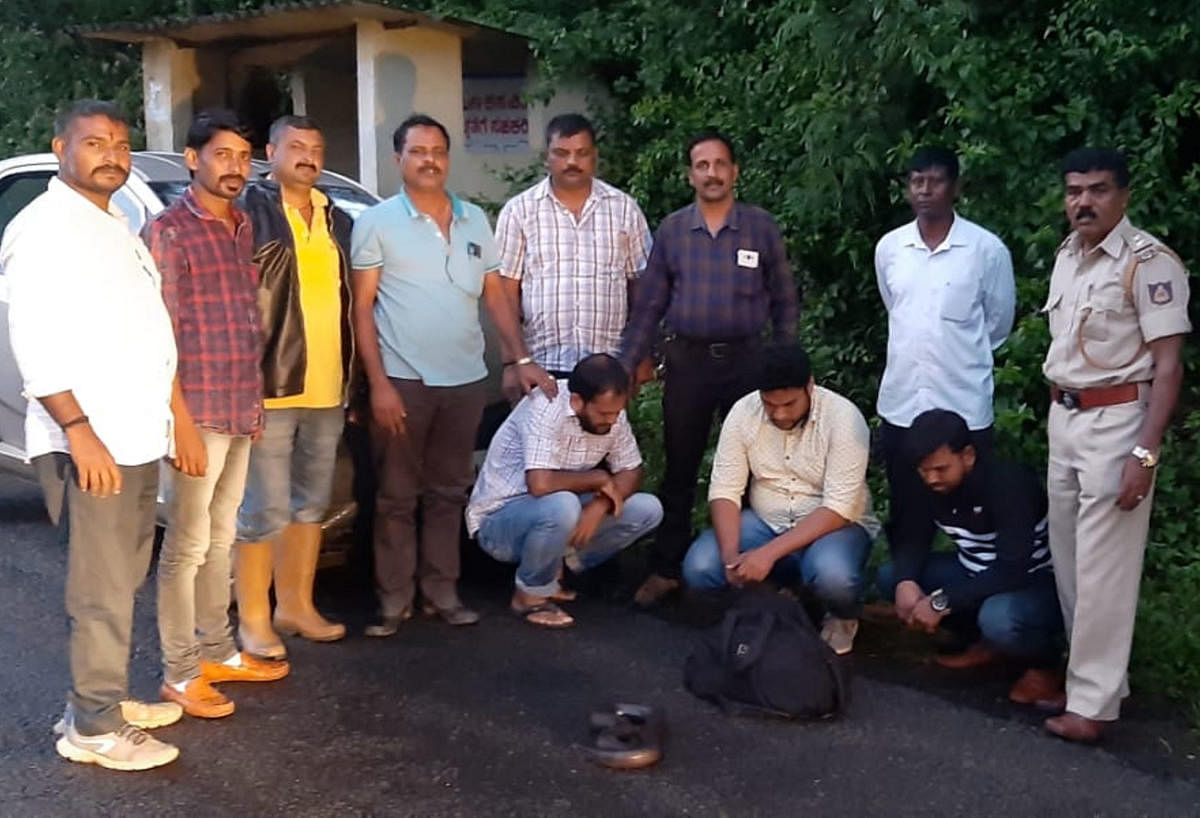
[[203, 244], [559, 486]]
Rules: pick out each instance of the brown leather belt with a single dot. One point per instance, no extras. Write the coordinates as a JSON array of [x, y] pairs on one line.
[[1095, 397]]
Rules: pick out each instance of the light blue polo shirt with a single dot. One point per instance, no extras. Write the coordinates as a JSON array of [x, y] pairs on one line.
[[427, 305]]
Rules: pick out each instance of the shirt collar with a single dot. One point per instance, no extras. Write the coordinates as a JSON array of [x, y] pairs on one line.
[[1113, 244], [458, 212], [197, 210], [732, 221], [814, 413], [69, 194], [954, 238]]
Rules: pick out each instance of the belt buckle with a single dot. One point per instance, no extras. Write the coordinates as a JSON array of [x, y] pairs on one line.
[[719, 349], [1069, 399]]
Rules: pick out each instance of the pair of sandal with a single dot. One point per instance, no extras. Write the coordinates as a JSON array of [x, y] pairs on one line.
[[547, 614], [626, 736]]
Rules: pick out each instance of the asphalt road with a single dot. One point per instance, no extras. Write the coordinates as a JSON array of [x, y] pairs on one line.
[[482, 721]]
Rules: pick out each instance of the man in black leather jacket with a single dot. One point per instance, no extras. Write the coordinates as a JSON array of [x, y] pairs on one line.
[[302, 250]]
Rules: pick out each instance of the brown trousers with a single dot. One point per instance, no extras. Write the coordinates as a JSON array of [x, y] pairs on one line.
[[429, 466]]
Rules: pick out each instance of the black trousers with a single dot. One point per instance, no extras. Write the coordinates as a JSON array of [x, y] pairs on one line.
[[703, 379], [907, 492]]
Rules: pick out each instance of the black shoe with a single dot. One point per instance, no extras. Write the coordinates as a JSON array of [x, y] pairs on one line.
[[626, 737]]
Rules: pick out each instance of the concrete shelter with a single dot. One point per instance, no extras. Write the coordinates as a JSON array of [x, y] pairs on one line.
[[359, 68]]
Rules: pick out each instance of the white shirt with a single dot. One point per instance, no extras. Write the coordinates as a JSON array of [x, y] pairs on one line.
[[545, 433], [948, 308], [792, 473], [86, 315], [574, 274]]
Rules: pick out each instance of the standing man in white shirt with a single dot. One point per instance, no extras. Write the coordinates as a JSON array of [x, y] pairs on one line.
[[571, 250], [94, 344], [948, 288]]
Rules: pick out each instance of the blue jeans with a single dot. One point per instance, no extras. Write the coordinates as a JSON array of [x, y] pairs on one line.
[[1026, 623], [832, 566], [291, 471], [534, 532]]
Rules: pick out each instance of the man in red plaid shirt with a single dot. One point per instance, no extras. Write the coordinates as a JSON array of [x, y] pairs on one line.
[[203, 245]]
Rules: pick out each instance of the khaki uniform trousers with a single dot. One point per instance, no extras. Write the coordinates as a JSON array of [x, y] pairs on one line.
[[1097, 549]]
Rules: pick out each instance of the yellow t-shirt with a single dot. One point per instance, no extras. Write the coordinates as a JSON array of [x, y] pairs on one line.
[[320, 303]]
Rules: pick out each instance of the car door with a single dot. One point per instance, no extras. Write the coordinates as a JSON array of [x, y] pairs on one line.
[[17, 189]]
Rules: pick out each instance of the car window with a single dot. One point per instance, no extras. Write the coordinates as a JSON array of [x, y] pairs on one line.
[[135, 211], [20, 189], [169, 191], [349, 200]]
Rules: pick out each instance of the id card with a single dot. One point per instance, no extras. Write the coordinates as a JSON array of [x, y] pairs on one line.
[[747, 258]]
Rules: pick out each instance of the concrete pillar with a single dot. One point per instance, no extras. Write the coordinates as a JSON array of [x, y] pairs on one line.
[[169, 80], [368, 36], [299, 91]]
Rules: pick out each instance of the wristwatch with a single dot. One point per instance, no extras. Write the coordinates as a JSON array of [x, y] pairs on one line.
[[939, 601], [1147, 458]]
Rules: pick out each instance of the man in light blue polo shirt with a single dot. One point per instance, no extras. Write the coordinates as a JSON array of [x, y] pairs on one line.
[[422, 259]]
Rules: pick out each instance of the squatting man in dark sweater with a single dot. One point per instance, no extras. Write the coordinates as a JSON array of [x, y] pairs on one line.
[[995, 593]]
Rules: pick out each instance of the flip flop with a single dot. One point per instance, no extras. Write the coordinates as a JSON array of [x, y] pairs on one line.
[[544, 607]]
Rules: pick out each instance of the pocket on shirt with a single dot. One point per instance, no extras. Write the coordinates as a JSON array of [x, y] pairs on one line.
[[958, 300], [748, 281], [1104, 319], [468, 277]]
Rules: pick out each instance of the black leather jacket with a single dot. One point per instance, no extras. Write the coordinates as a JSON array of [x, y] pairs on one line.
[[284, 354]]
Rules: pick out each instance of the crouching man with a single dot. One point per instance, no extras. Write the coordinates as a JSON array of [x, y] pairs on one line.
[[996, 593], [559, 485], [803, 451]]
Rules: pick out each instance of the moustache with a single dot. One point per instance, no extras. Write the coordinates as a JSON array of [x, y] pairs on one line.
[[113, 168], [233, 177], [306, 165], [573, 169], [433, 168], [1085, 212], [712, 182]]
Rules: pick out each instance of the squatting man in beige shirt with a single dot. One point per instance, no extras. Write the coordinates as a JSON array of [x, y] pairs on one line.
[[803, 450]]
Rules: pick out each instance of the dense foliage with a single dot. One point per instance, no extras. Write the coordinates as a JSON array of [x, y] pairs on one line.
[[826, 100]]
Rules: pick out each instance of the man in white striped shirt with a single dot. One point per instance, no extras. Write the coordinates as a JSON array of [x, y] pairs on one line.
[[997, 587], [571, 248], [559, 485]]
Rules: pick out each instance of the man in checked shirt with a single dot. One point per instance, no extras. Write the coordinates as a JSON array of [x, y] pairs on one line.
[[571, 249], [203, 245], [718, 274]]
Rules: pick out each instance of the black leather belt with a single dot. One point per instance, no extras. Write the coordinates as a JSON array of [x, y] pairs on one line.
[[717, 347]]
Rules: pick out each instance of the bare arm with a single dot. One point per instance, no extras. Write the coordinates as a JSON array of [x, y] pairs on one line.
[[387, 407], [1164, 394], [96, 471], [727, 525], [547, 481], [498, 299]]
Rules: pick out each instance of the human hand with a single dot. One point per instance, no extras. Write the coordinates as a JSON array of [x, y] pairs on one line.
[[191, 457], [387, 408], [589, 520], [95, 470], [754, 566], [1135, 484], [908, 594], [610, 492], [924, 617]]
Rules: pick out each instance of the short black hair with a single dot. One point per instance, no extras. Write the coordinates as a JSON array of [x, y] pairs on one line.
[[83, 108], [783, 365], [416, 121], [597, 374], [212, 121], [1087, 159], [709, 135], [934, 156], [933, 429], [567, 125], [300, 123]]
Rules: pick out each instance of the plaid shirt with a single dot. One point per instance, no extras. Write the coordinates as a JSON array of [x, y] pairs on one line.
[[574, 274], [720, 288], [209, 285], [544, 433]]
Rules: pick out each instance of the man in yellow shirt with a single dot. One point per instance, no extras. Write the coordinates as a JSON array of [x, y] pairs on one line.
[[301, 246]]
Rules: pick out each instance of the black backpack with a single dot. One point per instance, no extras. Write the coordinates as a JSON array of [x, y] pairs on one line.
[[767, 658]]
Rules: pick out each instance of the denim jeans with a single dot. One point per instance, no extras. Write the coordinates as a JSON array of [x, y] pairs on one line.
[[831, 566], [194, 566], [1026, 623], [534, 532], [291, 471]]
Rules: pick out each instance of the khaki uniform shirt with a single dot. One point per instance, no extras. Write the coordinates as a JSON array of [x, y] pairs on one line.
[[1101, 322]]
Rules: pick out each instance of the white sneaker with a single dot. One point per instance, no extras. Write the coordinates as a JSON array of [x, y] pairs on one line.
[[128, 748], [146, 715], [839, 634]]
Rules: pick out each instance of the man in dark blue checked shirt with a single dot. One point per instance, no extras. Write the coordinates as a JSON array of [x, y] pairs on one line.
[[717, 275], [997, 587]]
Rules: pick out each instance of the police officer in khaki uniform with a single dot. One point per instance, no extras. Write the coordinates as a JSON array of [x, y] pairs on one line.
[[1118, 315]]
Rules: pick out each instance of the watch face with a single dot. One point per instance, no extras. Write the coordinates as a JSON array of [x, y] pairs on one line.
[[938, 601]]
